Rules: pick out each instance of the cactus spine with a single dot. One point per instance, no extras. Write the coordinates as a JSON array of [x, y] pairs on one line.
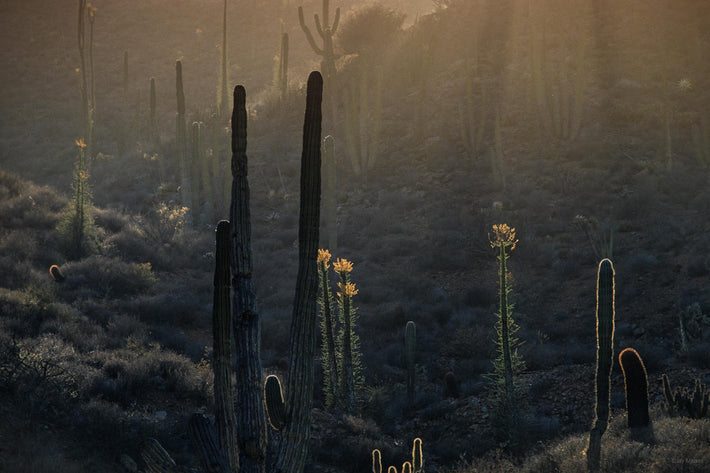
[[410, 344], [326, 31], [605, 356], [330, 191], [636, 384], [221, 328]]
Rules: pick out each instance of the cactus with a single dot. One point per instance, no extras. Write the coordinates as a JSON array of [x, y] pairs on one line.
[[222, 364], [451, 385], [274, 401], [223, 87], [417, 456], [472, 111], [700, 133], [406, 467], [376, 461], [56, 273], [605, 356], [181, 139], [86, 77], [326, 31], [410, 344], [636, 384], [153, 136], [328, 349], [363, 118], [330, 192], [283, 67], [348, 342], [695, 404]]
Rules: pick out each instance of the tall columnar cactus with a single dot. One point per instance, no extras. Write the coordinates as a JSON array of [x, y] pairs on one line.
[[473, 109], [326, 31], [152, 122], [330, 192], [283, 67], [605, 357], [410, 346], [363, 118], [328, 350], [223, 88], [636, 384], [86, 83], [700, 133], [181, 138], [125, 76], [222, 347]]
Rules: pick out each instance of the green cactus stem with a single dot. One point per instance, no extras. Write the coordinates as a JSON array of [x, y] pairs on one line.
[[605, 356], [410, 344], [636, 384], [274, 402]]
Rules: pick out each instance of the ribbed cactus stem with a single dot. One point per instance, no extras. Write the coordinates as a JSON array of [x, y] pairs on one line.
[[410, 345], [222, 348], [330, 367], [250, 415], [605, 356], [376, 461], [636, 384], [294, 450], [417, 456], [210, 452], [274, 401], [330, 190]]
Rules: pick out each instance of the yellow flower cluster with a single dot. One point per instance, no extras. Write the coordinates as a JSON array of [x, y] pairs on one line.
[[348, 289], [503, 236], [80, 143], [323, 258], [343, 266]]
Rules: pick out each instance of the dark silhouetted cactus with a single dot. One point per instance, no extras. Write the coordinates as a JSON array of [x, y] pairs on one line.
[[222, 359], [376, 461], [417, 456], [636, 384], [410, 347], [451, 385], [56, 273], [695, 404], [326, 31], [605, 357], [274, 400], [283, 67], [181, 139], [415, 466]]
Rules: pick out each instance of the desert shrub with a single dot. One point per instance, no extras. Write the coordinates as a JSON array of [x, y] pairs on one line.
[[173, 308], [100, 276], [369, 28], [165, 222], [25, 312], [112, 220]]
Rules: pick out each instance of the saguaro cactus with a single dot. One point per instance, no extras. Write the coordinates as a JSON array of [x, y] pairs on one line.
[[330, 192], [283, 67], [326, 31], [376, 461], [410, 346], [152, 123], [223, 89], [605, 356], [274, 401], [181, 138], [636, 384]]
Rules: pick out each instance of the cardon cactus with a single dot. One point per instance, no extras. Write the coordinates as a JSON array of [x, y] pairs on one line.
[[636, 384], [605, 356], [410, 345]]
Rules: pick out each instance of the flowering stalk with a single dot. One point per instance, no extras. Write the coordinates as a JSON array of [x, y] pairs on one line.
[[325, 301]]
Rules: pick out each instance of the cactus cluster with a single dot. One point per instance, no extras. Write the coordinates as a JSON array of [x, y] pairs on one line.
[[240, 444], [415, 465], [682, 401]]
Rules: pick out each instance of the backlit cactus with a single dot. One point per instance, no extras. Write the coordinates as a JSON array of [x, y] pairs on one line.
[[326, 31], [410, 346], [417, 456], [181, 139], [682, 401], [376, 461], [605, 356], [56, 273], [636, 385], [328, 349], [274, 401]]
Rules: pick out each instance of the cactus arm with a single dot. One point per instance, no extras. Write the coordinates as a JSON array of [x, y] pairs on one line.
[[308, 34], [274, 402], [336, 21], [319, 28]]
